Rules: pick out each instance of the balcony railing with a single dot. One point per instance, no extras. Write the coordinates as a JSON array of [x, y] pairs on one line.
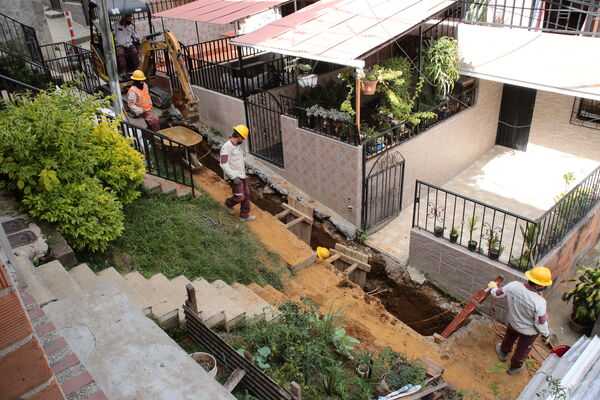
[[509, 238], [343, 131], [577, 17]]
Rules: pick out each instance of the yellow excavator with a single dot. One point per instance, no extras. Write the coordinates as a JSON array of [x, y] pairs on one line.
[[149, 49]]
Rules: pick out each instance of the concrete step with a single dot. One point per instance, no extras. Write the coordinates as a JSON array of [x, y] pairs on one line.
[[254, 311], [111, 274], [36, 286], [179, 294], [57, 279], [168, 188], [84, 276], [151, 185], [273, 297], [269, 311], [53, 14], [143, 287], [183, 192], [165, 309], [212, 304]]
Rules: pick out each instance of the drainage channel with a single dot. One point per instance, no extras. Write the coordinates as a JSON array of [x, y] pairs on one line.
[[408, 301]]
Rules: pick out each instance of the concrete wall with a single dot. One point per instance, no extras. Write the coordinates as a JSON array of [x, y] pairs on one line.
[[437, 155], [31, 13], [551, 127], [185, 30], [219, 111], [76, 10], [324, 168], [457, 269]]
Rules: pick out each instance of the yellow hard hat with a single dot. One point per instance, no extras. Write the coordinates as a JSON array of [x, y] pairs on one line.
[[242, 130], [138, 75], [322, 253], [540, 275]]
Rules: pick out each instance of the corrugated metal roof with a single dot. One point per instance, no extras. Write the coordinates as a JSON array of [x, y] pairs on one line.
[[220, 11], [341, 31]]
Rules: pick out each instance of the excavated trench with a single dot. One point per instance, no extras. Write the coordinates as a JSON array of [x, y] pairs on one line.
[[410, 302]]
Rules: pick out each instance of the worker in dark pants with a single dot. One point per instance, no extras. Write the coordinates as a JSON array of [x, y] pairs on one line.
[[526, 316], [234, 168]]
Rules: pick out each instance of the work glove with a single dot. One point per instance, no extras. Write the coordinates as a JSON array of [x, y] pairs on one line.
[[551, 340], [236, 181], [492, 285]]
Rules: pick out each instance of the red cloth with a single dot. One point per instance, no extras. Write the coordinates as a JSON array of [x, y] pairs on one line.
[[122, 61], [524, 345]]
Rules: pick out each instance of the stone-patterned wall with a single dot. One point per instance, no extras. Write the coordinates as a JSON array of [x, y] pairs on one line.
[[457, 269], [437, 155], [324, 168], [551, 127], [219, 111]]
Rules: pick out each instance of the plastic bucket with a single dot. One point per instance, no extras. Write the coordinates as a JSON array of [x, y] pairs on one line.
[[206, 361]]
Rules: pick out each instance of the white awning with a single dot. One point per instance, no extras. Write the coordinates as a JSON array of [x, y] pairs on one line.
[[566, 64]]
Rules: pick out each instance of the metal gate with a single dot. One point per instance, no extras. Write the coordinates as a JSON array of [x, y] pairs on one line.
[[382, 190], [263, 112]]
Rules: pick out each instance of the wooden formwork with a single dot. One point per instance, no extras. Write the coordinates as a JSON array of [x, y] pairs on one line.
[[298, 218], [352, 263]]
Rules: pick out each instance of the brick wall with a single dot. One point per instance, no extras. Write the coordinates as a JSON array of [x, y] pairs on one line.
[[442, 152], [324, 168], [551, 127], [457, 269], [219, 111], [25, 369], [185, 30]]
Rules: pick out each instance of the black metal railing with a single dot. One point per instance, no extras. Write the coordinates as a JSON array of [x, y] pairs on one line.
[[18, 37], [73, 64], [11, 85], [288, 106], [157, 6], [578, 17], [558, 221], [218, 51], [482, 228], [586, 113], [343, 131], [404, 131], [19, 67]]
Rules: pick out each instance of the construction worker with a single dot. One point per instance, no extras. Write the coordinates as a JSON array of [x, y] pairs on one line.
[[125, 34], [139, 102], [526, 315], [233, 166]]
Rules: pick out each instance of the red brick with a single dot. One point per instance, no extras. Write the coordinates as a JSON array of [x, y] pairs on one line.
[[35, 313], [98, 396], [28, 299], [51, 347], [23, 370], [41, 330], [14, 324], [64, 363], [76, 383], [52, 392]]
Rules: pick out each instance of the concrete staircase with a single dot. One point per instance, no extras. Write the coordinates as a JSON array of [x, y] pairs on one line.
[[160, 298], [154, 184]]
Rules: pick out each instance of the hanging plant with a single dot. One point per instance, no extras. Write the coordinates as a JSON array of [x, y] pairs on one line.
[[441, 64], [348, 78]]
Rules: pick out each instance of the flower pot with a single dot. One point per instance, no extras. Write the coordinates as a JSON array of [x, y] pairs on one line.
[[368, 87], [472, 245], [308, 80], [453, 237], [363, 370], [206, 361], [577, 327], [438, 231], [493, 253]]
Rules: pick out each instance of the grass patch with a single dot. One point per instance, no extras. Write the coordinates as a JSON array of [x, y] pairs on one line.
[[191, 237]]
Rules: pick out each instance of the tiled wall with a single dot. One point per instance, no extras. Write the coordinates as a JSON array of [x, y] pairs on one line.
[[442, 152], [218, 110], [324, 168], [551, 127]]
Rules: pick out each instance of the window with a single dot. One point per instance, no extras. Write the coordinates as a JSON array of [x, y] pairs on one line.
[[586, 112]]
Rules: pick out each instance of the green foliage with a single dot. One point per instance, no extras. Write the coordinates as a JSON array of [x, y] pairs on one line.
[[441, 64], [472, 225], [349, 79], [585, 295], [191, 236], [14, 64], [328, 96], [400, 371], [71, 167], [477, 11]]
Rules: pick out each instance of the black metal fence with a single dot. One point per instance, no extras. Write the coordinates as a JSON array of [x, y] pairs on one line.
[[343, 131], [557, 222], [578, 17], [12, 86], [403, 131], [218, 51], [68, 63], [586, 113], [16, 37], [162, 5]]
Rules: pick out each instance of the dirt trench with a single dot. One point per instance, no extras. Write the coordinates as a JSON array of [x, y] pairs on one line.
[[409, 302]]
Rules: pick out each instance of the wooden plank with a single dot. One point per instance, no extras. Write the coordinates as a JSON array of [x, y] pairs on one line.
[[294, 222], [350, 269], [332, 258], [360, 278], [427, 392], [283, 214], [233, 380], [297, 213]]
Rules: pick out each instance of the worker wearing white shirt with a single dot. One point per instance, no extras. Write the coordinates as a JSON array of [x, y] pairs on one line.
[[125, 34]]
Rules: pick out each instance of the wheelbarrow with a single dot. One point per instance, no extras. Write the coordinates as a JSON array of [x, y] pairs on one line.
[[186, 137]]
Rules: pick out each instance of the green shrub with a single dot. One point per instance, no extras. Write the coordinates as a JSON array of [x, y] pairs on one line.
[[70, 166]]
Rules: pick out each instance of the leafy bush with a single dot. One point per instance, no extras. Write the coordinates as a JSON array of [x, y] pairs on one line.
[[441, 64], [15, 64], [71, 167]]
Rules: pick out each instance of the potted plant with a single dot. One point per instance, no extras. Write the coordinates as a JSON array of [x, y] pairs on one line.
[[305, 77], [364, 362], [206, 361], [493, 243], [453, 235], [472, 227], [530, 240], [369, 84], [586, 298], [438, 231]]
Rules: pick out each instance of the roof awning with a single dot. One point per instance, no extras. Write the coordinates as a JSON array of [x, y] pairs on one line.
[[341, 31], [220, 11], [566, 64]]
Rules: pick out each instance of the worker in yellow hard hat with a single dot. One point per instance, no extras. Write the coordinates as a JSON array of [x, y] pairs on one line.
[[234, 169], [526, 315], [139, 102]]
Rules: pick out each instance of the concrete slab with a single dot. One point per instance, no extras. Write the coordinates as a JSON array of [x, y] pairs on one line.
[[111, 274], [131, 358], [269, 311], [84, 276], [211, 303], [179, 293], [253, 310], [36, 286], [59, 30], [163, 308], [57, 279]]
